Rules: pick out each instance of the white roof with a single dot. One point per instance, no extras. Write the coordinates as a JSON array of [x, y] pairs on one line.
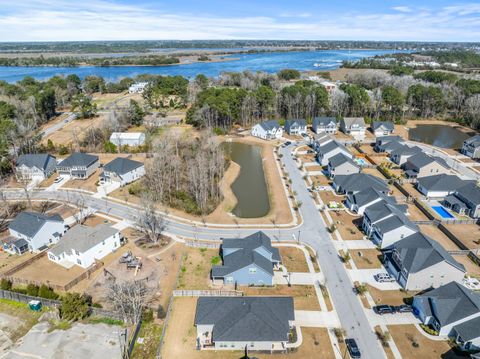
[[127, 135]]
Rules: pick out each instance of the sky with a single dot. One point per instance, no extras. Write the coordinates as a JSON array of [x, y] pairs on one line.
[[89, 20]]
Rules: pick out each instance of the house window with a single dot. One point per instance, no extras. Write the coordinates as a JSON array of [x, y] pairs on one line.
[[79, 261], [252, 270], [77, 253]]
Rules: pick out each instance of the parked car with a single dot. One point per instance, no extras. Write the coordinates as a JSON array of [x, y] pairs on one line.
[[58, 180], [383, 278], [404, 308], [288, 143], [383, 309], [353, 348]]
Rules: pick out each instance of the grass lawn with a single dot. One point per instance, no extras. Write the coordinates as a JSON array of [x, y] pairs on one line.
[[304, 296], [27, 317], [366, 258], [293, 259], [150, 333], [390, 297], [196, 266]]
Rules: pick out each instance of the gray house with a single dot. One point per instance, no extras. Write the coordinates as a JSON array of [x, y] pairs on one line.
[[122, 171], [324, 125], [79, 165], [384, 142], [465, 200], [383, 128], [422, 165], [240, 323], [452, 310], [418, 263], [440, 186], [359, 201], [354, 126], [471, 147], [35, 166], [341, 165], [401, 154], [357, 182], [296, 127], [330, 149], [247, 261]]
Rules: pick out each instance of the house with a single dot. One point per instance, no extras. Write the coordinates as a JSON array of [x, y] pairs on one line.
[[388, 143], [37, 229], [78, 165], [247, 261], [359, 201], [422, 165], [386, 223], [84, 245], [383, 128], [440, 186], [35, 167], [465, 200], [244, 323], [354, 126], [329, 86], [357, 182], [341, 165], [132, 139], [418, 263], [451, 310], [137, 87], [400, 155], [471, 147], [321, 140], [324, 125], [122, 171], [330, 149], [267, 130], [296, 127], [12, 245]]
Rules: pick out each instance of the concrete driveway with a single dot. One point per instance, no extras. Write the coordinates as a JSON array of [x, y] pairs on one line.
[[312, 318]]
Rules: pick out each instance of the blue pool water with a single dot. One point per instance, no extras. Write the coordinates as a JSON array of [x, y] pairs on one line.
[[442, 212], [360, 161]]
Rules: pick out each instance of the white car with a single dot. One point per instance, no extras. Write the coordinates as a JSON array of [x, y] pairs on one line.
[[383, 278], [58, 180]]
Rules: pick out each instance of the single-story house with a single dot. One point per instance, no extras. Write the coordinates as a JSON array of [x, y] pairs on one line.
[[132, 139], [37, 229], [79, 165], [324, 125], [123, 171], [330, 149], [471, 147], [440, 186], [14, 245], [452, 310], [247, 261], [383, 128], [267, 130], [422, 165], [400, 154], [388, 142], [35, 167], [296, 127], [84, 245], [357, 182], [419, 262], [244, 323], [465, 200], [341, 165], [354, 126], [359, 201]]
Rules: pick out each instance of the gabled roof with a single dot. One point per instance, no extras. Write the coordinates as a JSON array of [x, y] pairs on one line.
[[297, 122], [383, 124], [246, 318], [405, 150], [127, 136], [359, 181], [469, 330], [269, 125], [29, 223], [473, 141], [383, 209], [391, 146], [324, 121], [398, 220], [471, 192], [251, 242], [386, 139], [40, 160], [339, 159], [418, 252], [451, 302], [421, 159], [121, 166], [331, 146], [350, 121], [442, 182], [368, 195], [78, 159]]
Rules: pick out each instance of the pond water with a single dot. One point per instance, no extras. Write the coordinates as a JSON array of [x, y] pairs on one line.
[[250, 186], [442, 136]]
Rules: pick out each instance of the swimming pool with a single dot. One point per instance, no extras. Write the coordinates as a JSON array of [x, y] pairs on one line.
[[442, 212], [360, 161]]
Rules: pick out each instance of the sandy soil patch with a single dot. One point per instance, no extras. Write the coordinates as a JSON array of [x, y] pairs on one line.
[[373, 172], [304, 296], [390, 297], [473, 269], [415, 214], [366, 258], [436, 234], [8, 261], [293, 259], [348, 225], [89, 184], [75, 129], [329, 196], [320, 180], [313, 168], [468, 234], [412, 190]]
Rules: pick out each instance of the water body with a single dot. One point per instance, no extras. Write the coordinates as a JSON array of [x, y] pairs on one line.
[[442, 136], [250, 186], [268, 62]]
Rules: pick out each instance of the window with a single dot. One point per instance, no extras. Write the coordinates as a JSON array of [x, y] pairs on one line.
[[79, 261], [252, 270]]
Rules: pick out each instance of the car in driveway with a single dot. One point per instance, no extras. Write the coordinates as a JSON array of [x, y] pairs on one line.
[[384, 309], [383, 278], [404, 308], [58, 180], [352, 348]]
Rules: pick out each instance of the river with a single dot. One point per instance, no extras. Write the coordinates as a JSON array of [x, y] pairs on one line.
[[268, 62]]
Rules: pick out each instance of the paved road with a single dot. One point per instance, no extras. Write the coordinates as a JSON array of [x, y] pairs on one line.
[[311, 231], [59, 125]]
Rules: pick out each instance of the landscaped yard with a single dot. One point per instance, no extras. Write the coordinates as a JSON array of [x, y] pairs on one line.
[[196, 266], [390, 297], [304, 296], [348, 225], [366, 258], [293, 259]]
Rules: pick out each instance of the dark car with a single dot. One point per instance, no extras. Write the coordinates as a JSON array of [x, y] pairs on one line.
[[288, 143], [353, 348], [404, 308], [384, 309]]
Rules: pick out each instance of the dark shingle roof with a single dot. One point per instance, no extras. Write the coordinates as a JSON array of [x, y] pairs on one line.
[[405, 150], [246, 318], [29, 223], [330, 146], [41, 160], [269, 125], [298, 122], [339, 159], [394, 222], [386, 124], [469, 330], [471, 192], [121, 166], [359, 181], [77, 159], [473, 141], [442, 182], [420, 160], [323, 121], [349, 121]]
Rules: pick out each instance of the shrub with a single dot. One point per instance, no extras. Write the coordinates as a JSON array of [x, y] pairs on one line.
[[74, 307], [63, 150], [47, 292], [147, 315], [32, 290], [161, 314], [5, 284]]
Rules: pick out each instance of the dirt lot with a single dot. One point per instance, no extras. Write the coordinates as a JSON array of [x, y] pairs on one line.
[[374, 172], [293, 259], [473, 269], [89, 184], [404, 337], [415, 214], [468, 234], [181, 334], [390, 297], [313, 168], [412, 190], [348, 225], [304, 296], [366, 258], [436, 234], [320, 180], [329, 196], [196, 266], [76, 128]]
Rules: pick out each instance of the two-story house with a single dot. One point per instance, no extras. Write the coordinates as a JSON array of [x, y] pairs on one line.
[[36, 167], [353, 126], [422, 165], [330, 149], [471, 147], [400, 154], [78, 165], [122, 171], [267, 130], [388, 144], [296, 127], [359, 201], [465, 200], [341, 165], [324, 125], [383, 128]]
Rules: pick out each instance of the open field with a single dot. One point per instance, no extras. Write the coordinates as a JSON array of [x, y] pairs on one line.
[[348, 225], [304, 296], [74, 130], [389, 297], [293, 259], [468, 234], [366, 258], [196, 266], [436, 234]]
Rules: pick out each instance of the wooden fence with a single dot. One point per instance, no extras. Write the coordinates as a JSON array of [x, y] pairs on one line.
[[203, 244], [206, 293], [25, 264]]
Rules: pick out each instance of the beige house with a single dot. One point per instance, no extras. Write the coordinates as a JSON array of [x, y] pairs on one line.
[[422, 165]]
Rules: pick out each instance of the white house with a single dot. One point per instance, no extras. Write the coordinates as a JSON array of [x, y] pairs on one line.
[[296, 127], [36, 167], [132, 139], [324, 125], [354, 126], [330, 149], [267, 130], [440, 186], [84, 245], [123, 171], [37, 229], [79, 165], [383, 128], [471, 147], [137, 87]]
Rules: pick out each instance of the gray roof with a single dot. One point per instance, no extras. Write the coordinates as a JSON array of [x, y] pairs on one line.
[[359, 181], [330, 146], [121, 166], [451, 302], [269, 125], [29, 223], [473, 141], [296, 122], [383, 209], [418, 252], [260, 319], [394, 222], [469, 330], [405, 150], [368, 195], [323, 121], [391, 146], [453, 200], [349, 121], [385, 124], [442, 182], [471, 192], [386, 139], [339, 159], [421, 159], [81, 238], [78, 159], [41, 160]]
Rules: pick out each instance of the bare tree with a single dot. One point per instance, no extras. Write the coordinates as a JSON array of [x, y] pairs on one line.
[[150, 223], [128, 298]]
